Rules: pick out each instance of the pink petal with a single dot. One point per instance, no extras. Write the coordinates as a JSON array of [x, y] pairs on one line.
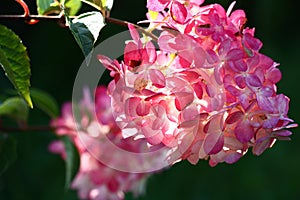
[[159, 123], [131, 106], [185, 60], [183, 99], [234, 91], [274, 75], [240, 81], [198, 89], [235, 54], [265, 62], [252, 42], [253, 80], [193, 159], [198, 2], [264, 103], [154, 137], [151, 52], [189, 76], [283, 133], [199, 56], [232, 157], [133, 32], [234, 117], [108, 63], [213, 143], [143, 108], [57, 146], [240, 65], [164, 42], [211, 57], [178, 12], [157, 78], [158, 110], [244, 132], [260, 147], [157, 5], [238, 18], [224, 47], [186, 142], [132, 56]]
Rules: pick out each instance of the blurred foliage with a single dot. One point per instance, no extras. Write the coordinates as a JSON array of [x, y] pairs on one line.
[[55, 59]]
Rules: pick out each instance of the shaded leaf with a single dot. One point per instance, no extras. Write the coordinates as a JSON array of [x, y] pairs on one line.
[[85, 29], [8, 152], [15, 62], [72, 160], [15, 108], [45, 7], [73, 6], [102, 5], [45, 102]]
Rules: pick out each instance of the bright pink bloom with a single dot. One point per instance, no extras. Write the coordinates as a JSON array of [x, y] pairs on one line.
[[93, 134], [207, 92]]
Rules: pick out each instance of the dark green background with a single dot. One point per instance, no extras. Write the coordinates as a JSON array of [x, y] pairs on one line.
[[55, 58]]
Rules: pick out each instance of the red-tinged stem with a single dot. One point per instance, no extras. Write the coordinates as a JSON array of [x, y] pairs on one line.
[[25, 7], [26, 13], [31, 18]]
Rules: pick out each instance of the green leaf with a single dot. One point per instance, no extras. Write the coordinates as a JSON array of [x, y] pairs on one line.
[[45, 102], [8, 152], [15, 108], [15, 62], [73, 6], [46, 7], [85, 29], [107, 4], [102, 5], [72, 160]]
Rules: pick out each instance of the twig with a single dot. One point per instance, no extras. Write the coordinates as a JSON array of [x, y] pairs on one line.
[[125, 23], [32, 17], [58, 17], [26, 129]]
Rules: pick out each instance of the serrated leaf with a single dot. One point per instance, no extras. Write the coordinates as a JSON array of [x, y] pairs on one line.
[[8, 152], [72, 160], [45, 7], [15, 62], [45, 102], [15, 108], [85, 29]]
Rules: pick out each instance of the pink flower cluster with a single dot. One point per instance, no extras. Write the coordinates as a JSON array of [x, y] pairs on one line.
[[206, 92], [92, 134]]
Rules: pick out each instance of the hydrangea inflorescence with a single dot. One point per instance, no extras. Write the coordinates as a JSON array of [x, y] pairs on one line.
[[206, 92], [90, 133]]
